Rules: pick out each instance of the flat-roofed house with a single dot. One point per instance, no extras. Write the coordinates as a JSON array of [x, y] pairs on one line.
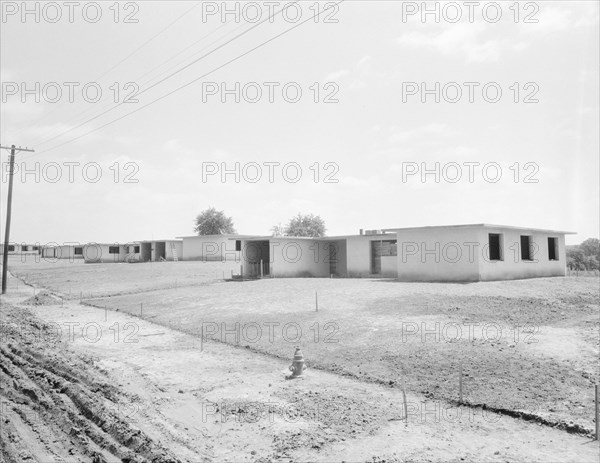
[[476, 252]]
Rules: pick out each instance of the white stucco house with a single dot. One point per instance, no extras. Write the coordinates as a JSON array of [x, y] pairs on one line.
[[475, 252]]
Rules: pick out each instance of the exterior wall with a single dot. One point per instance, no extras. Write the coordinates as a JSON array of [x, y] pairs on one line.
[[178, 249], [299, 258], [131, 255], [16, 248], [359, 256], [210, 248], [62, 252], [21, 249], [512, 267], [98, 253], [389, 266], [438, 254]]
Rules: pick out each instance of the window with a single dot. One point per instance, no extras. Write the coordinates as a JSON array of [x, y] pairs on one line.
[[552, 249], [238, 245], [495, 244], [525, 247], [389, 248], [113, 249], [11, 248], [78, 251], [136, 249], [36, 248]]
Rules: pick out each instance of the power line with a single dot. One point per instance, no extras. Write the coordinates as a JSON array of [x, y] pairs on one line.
[[169, 76], [109, 103], [37, 122], [150, 39], [194, 80]]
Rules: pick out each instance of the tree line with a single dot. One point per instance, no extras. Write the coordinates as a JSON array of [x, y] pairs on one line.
[[584, 256]]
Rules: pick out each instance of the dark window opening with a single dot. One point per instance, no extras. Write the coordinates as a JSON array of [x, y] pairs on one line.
[[113, 249], [238, 245], [525, 247], [11, 248], [495, 246], [552, 249], [78, 251], [36, 248], [136, 249]]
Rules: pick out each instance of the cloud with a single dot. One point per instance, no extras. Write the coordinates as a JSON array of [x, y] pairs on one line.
[[336, 75], [486, 42], [462, 38]]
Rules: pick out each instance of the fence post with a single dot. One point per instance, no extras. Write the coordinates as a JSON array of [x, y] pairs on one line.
[[460, 385], [404, 400], [597, 411]]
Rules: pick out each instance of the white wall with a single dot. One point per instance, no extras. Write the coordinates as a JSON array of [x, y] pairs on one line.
[[95, 253], [62, 252], [210, 248], [512, 267], [299, 258], [438, 254], [178, 249], [358, 256]]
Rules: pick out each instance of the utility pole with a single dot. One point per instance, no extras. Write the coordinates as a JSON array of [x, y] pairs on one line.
[[13, 149]]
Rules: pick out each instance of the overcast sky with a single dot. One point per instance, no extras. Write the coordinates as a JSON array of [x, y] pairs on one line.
[[371, 141]]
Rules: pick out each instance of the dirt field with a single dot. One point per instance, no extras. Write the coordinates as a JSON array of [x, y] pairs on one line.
[[193, 398]]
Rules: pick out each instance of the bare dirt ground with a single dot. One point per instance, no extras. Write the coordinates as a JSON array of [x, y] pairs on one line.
[[209, 401]]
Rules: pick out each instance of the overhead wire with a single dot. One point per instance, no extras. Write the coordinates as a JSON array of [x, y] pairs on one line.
[[164, 78], [192, 81]]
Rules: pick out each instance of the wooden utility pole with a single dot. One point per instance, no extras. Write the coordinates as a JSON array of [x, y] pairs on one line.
[[13, 149]]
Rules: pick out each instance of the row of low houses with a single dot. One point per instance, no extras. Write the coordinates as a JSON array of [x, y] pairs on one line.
[[476, 252]]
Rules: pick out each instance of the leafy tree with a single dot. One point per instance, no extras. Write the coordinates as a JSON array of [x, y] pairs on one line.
[[277, 230], [213, 222], [591, 263], [576, 259], [306, 225], [591, 247]]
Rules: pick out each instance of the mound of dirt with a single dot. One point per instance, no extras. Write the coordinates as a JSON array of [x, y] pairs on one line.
[[42, 298], [57, 406]]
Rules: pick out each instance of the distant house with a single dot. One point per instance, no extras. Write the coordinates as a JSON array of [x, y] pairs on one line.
[[478, 252], [65, 251], [213, 247], [111, 252], [160, 250], [21, 248]]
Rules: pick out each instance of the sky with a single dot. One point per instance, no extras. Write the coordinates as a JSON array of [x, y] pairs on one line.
[[335, 116]]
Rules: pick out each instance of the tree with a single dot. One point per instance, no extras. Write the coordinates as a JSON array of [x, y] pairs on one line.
[[306, 225], [591, 247], [213, 222], [277, 230], [576, 259]]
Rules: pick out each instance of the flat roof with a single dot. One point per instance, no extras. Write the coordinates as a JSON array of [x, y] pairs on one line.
[[393, 230], [225, 235], [482, 225], [155, 241]]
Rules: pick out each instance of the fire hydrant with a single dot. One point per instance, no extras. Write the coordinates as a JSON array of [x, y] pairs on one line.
[[298, 366]]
